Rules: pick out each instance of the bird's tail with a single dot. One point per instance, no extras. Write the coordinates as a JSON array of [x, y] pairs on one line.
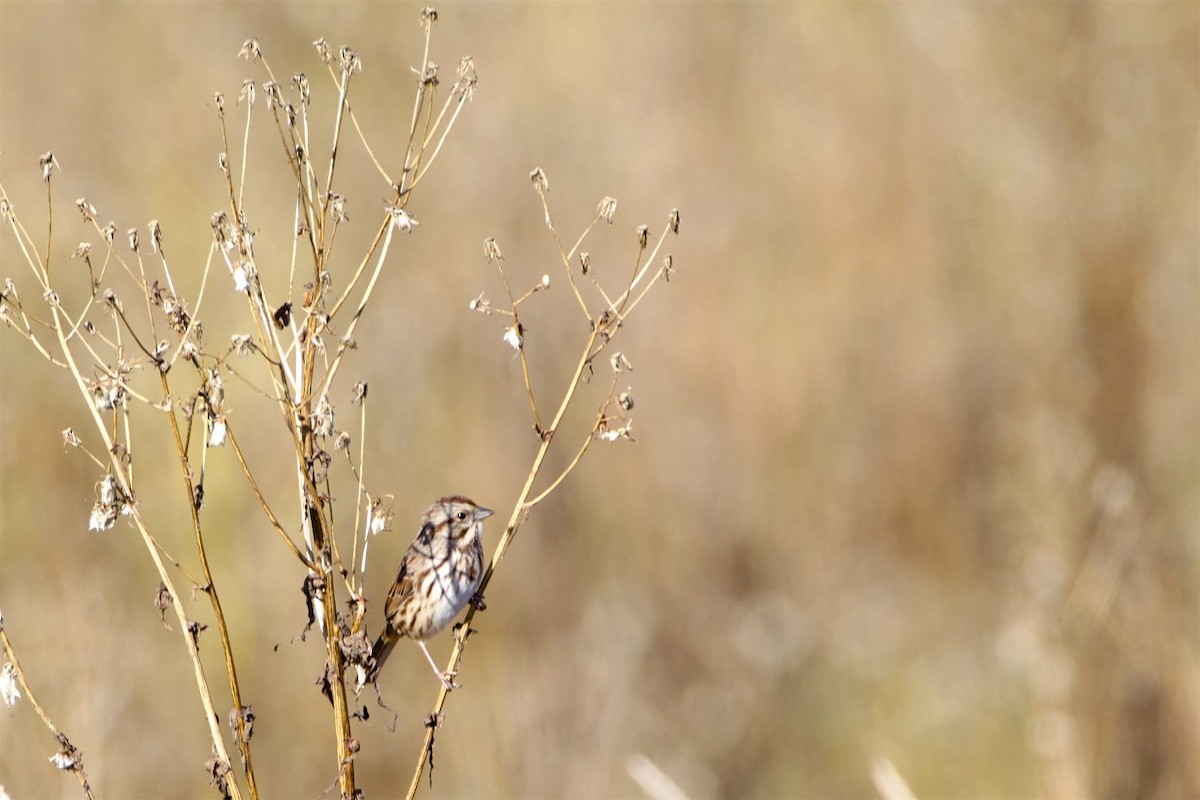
[[379, 653]]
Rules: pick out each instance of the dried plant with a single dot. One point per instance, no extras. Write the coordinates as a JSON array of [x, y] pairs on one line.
[[133, 342], [602, 319]]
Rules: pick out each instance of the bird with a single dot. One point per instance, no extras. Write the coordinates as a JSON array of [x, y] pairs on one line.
[[437, 578]]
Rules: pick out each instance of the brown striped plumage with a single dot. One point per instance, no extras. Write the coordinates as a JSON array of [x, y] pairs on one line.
[[438, 576]]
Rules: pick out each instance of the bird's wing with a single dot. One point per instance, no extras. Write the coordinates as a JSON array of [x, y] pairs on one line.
[[402, 587]]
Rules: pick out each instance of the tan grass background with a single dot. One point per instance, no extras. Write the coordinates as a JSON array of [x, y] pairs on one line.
[[918, 421]]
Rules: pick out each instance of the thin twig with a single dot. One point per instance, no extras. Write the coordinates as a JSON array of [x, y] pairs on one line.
[[510, 531], [118, 472], [76, 765], [262, 501], [512, 312]]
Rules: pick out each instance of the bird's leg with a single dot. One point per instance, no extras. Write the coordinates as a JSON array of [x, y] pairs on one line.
[[447, 678], [476, 602]]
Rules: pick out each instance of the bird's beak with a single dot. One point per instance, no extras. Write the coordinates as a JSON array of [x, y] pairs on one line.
[[483, 513]]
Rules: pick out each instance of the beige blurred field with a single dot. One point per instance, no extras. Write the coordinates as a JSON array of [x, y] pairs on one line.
[[917, 471]]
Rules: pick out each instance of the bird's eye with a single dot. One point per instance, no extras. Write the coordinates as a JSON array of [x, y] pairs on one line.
[[461, 515]]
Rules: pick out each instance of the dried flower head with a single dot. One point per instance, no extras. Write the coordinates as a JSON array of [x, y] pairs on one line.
[[218, 774], [401, 219], [108, 490], [673, 220], [540, 182], [607, 434], [219, 222], [196, 628], [242, 720], [242, 343], [274, 94], [324, 51], [10, 691], [349, 60], [189, 350], [102, 518], [607, 209], [87, 209], [282, 316], [217, 430], [48, 162], [429, 76], [467, 79], [515, 336], [300, 83], [668, 268], [379, 516], [109, 393], [337, 205], [620, 362], [162, 601], [243, 271], [248, 92], [250, 50], [491, 250], [214, 388], [323, 418]]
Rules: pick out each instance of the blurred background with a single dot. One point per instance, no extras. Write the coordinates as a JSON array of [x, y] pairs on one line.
[[915, 483]]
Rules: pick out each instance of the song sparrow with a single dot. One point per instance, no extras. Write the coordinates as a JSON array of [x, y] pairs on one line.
[[438, 576]]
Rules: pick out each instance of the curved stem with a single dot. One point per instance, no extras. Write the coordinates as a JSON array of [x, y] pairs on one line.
[[11, 655], [510, 532], [118, 471], [210, 588]]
